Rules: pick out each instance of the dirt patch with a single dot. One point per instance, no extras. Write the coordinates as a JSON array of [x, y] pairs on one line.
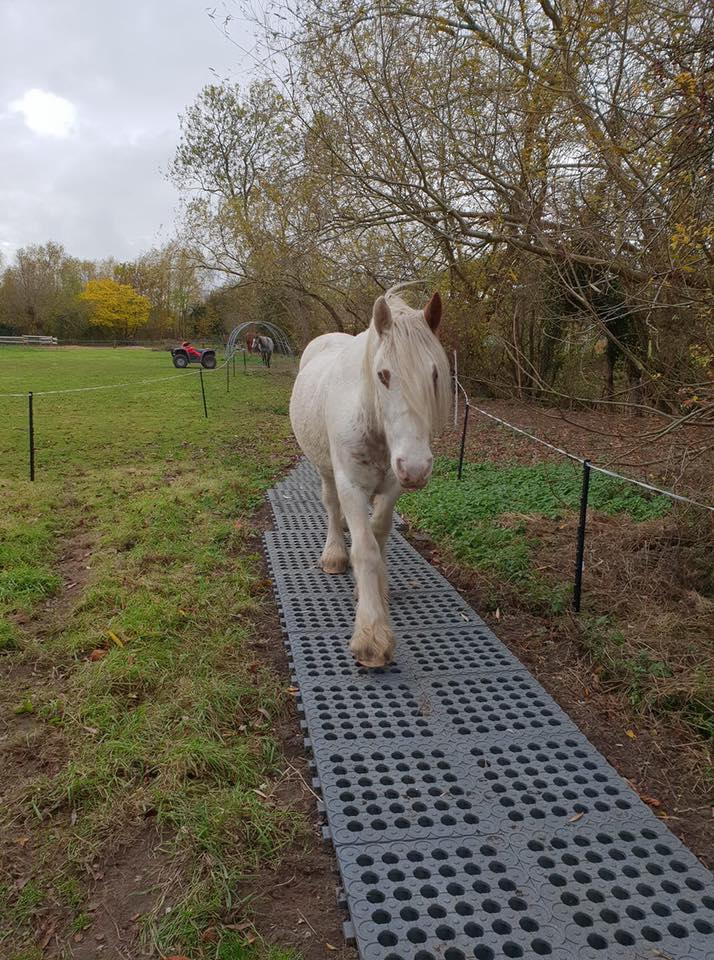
[[657, 756], [124, 890], [27, 746], [73, 567]]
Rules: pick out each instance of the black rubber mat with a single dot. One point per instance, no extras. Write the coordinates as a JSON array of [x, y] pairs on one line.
[[470, 817]]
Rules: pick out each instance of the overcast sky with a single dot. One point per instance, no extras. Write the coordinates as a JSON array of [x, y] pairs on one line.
[[90, 92]]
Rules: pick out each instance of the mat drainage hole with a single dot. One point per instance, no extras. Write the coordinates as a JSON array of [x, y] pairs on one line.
[[387, 939], [409, 913], [374, 896], [541, 947], [597, 942], [624, 938], [415, 935], [445, 933], [381, 916], [451, 954], [482, 952], [512, 949]]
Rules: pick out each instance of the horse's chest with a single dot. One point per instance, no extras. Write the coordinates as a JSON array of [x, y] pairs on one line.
[[370, 452]]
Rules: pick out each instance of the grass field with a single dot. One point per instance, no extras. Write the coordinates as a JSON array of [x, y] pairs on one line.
[[138, 713], [131, 712]]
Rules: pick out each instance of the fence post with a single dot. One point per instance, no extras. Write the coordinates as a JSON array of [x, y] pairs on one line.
[[228, 377], [32, 435], [234, 365], [244, 366], [580, 550], [463, 437], [203, 394]]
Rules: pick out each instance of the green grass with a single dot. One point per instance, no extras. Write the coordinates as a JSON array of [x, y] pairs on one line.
[[174, 724], [464, 515]]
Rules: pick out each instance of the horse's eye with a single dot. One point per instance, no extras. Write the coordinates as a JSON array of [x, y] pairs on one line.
[[384, 376]]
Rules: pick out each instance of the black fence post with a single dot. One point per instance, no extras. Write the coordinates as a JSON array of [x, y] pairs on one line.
[[32, 435], [580, 551], [463, 438], [203, 394], [234, 365], [244, 365], [228, 377]]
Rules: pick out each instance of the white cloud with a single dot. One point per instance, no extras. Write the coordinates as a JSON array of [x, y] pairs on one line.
[[45, 113]]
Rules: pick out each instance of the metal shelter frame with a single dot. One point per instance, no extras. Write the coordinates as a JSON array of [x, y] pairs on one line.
[[281, 339]]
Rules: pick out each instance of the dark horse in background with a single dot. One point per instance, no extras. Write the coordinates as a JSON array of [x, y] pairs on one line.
[[264, 346]]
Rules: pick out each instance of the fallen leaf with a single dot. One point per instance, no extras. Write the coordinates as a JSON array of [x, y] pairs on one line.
[[114, 638], [650, 801], [21, 841], [44, 942], [498, 613], [330, 947], [210, 935], [97, 654], [631, 734], [293, 690], [575, 818], [238, 524], [464, 616]]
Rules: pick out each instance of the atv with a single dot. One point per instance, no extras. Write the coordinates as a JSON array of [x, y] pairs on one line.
[[186, 354]]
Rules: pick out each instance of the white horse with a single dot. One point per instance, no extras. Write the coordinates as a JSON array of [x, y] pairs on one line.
[[364, 410]]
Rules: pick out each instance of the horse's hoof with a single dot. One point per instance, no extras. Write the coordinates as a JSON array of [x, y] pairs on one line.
[[334, 563], [373, 646]]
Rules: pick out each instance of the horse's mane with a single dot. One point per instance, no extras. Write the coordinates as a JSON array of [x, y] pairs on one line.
[[411, 348]]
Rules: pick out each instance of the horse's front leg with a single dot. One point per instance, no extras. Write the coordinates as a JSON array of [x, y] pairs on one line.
[[372, 641], [334, 557], [382, 514]]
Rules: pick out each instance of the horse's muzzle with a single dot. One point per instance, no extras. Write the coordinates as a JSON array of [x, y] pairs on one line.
[[413, 477]]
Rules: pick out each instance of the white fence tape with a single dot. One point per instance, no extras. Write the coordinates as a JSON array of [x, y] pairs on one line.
[[593, 466]]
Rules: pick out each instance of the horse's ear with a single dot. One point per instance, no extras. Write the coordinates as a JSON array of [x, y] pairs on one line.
[[381, 316], [432, 312]]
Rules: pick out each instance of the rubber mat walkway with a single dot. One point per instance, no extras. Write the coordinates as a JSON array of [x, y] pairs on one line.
[[470, 817]]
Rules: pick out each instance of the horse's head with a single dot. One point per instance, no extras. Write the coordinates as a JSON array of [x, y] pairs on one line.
[[410, 377]]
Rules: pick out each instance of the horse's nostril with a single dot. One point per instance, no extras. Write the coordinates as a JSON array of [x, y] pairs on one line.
[[400, 466]]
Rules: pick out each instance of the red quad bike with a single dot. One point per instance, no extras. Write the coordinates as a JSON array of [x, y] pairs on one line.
[[186, 354]]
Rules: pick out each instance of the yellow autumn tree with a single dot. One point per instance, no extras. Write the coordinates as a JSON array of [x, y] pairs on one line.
[[115, 307]]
